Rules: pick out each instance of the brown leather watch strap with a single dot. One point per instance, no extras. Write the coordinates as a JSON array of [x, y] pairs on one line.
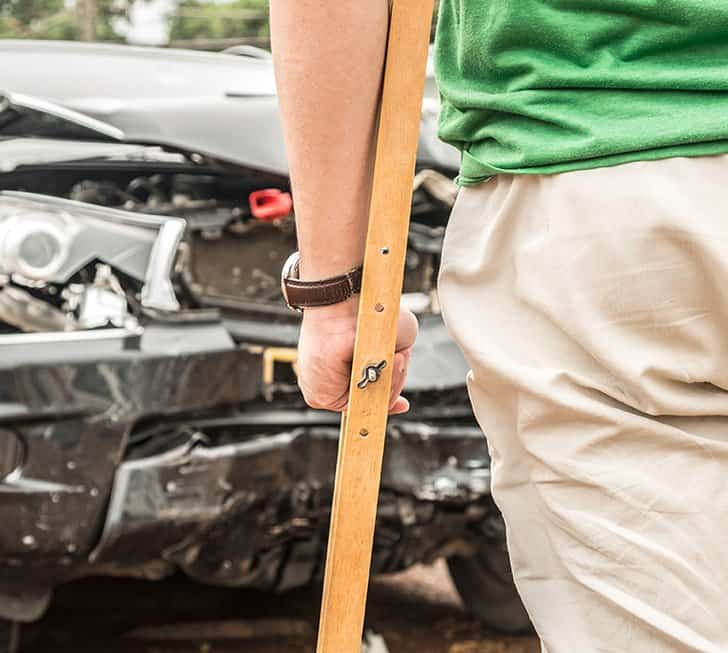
[[306, 294]]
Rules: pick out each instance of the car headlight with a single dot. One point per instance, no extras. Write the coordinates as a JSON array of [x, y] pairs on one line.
[[47, 239], [34, 246]]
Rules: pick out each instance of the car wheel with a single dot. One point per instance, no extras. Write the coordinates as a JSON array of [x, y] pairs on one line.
[[485, 583], [9, 636]]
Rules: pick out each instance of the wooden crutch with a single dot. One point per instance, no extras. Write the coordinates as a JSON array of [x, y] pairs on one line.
[[363, 426]]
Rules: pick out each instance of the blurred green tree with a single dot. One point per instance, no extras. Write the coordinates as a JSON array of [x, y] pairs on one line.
[[238, 19], [53, 19]]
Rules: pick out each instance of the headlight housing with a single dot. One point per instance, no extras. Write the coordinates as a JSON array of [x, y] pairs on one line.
[[46, 239]]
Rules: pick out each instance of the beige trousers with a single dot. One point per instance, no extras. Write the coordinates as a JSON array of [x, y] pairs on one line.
[[592, 308]]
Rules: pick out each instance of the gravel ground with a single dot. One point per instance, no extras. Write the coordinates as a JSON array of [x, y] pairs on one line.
[[416, 612]]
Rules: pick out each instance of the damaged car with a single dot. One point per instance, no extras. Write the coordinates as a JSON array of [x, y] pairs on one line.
[[150, 421]]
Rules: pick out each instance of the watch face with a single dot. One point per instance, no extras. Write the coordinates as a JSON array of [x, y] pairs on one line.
[[289, 271]]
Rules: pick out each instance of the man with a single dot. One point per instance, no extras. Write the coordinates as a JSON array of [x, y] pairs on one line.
[[583, 275]]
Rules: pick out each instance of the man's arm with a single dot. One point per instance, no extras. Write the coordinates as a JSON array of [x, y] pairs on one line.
[[329, 57]]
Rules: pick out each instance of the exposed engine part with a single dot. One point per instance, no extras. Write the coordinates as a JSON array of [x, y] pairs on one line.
[[98, 304], [148, 190], [424, 239], [25, 312], [270, 204], [104, 303], [439, 186], [41, 308], [218, 268], [101, 307], [218, 275], [104, 193]]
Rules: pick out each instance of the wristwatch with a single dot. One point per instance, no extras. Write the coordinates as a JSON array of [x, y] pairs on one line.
[[306, 294]]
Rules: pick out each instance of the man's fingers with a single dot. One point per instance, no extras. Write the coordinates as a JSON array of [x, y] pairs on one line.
[[399, 376], [406, 330], [400, 406]]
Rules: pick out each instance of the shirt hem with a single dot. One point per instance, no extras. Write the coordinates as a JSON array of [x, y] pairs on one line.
[[474, 172]]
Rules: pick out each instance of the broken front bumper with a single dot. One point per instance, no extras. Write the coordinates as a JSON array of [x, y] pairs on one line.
[[144, 452], [255, 511], [68, 404]]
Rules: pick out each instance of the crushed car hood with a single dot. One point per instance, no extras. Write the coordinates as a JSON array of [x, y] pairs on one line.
[[217, 104], [25, 114]]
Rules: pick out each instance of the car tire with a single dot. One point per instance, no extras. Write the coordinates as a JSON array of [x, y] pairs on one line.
[[485, 583], [9, 636]]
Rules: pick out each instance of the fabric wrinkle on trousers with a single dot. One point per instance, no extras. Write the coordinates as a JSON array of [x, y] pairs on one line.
[[592, 308]]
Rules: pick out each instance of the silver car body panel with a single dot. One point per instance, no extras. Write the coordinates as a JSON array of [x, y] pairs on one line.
[[220, 105]]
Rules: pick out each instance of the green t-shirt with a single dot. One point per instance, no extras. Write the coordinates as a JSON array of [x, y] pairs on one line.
[[543, 86]]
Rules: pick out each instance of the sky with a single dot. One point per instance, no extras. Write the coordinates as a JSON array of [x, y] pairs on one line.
[[148, 22]]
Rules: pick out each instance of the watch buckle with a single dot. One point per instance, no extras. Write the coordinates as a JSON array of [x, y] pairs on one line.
[[290, 270]]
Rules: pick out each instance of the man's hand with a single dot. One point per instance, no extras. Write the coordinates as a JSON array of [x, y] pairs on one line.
[[326, 350]]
